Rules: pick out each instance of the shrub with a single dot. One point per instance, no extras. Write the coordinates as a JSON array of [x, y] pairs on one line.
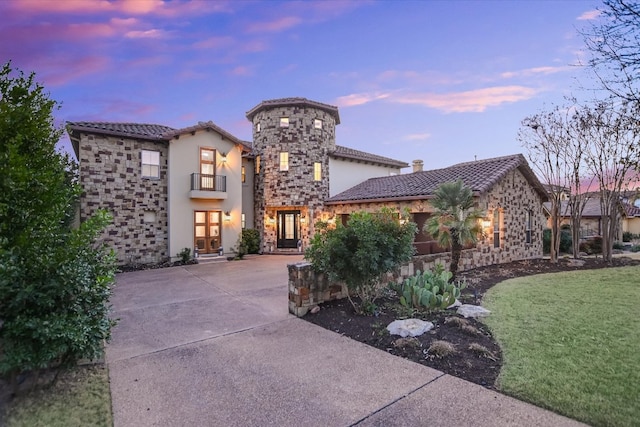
[[592, 246], [440, 349], [430, 289], [360, 253], [566, 243], [627, 236], [618, 245], [251, 238], [185, 255], [55, 282], [635, 248]]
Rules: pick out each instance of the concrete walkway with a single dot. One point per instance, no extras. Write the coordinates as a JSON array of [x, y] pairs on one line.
[[213, 345]]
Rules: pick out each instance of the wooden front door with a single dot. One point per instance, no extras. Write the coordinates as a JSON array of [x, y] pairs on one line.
[[288, 229], [208, 231]]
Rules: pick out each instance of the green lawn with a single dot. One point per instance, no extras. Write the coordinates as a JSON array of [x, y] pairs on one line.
[[571, 342], [80, 398]]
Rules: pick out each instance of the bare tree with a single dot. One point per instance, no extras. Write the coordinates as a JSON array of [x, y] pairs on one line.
[[612, 130], [614, 42], [544, 136], [576, 175]]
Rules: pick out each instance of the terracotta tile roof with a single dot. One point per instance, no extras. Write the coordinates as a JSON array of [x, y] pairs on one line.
[[133, 130], [175, 133], [287, 102], [480, 176], [592, 208], [149, 131], [351, 154]]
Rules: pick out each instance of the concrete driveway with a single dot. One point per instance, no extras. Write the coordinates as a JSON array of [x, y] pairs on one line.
[[213, 345]]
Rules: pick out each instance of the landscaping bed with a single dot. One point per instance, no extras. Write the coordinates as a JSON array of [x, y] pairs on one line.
[[476, 357]]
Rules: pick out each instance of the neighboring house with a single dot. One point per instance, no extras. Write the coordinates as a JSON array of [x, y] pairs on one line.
[[505, 188], [591, 219], [198, 187]]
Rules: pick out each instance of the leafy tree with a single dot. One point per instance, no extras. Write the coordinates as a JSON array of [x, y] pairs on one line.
[[360, 253], [455, 222], [54, 282]]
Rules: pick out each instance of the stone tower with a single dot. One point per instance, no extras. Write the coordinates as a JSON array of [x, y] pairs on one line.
[[292, 140]]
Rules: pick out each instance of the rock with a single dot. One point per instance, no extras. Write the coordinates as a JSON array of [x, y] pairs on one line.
[[409, 327], [468, 310], [315, 309], [457, 303], [575, 262]]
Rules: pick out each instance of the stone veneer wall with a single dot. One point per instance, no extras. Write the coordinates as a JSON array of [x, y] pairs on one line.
[[110, 169], [513, 196], [295, 188]]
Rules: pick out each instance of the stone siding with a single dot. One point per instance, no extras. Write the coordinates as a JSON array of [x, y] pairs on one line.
[[513, 196], [308, 288], [295, 188], [110, 169]]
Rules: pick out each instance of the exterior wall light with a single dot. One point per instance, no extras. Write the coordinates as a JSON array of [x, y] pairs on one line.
[[227, 216], [223, 157], [272, 220], [303, 219]]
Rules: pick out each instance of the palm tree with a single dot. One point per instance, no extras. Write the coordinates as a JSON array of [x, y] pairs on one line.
[[455, 222]]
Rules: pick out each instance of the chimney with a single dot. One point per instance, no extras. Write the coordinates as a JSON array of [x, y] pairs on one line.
[[417, 165]]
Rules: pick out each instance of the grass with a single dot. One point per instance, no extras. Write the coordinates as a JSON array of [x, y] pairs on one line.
[[571, 342], [79, 398]]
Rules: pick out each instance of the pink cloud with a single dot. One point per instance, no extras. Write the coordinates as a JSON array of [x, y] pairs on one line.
[[473, 101], [132, 7], [145, 34], [276, 26], [214, 42], [589, 15], [61, 70], [241, 71], [535, 71], [359, 99], [417, 136]]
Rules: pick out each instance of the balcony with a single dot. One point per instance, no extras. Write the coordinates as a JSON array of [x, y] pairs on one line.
[[208, 186]]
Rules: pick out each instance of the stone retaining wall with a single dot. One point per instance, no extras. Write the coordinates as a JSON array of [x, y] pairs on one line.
[[308, 289]]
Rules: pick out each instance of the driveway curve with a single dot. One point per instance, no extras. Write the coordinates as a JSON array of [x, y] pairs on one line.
[[213, 344]]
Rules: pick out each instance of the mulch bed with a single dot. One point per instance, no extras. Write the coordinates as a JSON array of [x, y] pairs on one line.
[[477, 357]]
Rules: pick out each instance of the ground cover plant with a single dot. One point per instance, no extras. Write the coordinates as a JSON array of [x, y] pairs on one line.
[[570, 342], [80, 397], [476, 355]]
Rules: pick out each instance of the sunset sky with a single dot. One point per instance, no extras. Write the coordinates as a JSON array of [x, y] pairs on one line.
[[441, 81]]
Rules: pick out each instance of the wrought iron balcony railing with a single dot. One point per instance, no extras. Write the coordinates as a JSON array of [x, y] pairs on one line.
[[204, 182]]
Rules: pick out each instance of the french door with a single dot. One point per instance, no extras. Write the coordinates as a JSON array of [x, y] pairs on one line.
[[288, 229], [207, 231]]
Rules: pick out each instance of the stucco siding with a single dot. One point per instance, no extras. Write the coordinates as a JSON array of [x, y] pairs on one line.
[[184, 160], [345, 174]]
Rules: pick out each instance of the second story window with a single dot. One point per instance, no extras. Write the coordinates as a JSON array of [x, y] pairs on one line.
[[243, 174], [528, 226], [257, 164], [284, 161], [317, 123], [284, 122], [257, 127], [150, 164], [317, 171]]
